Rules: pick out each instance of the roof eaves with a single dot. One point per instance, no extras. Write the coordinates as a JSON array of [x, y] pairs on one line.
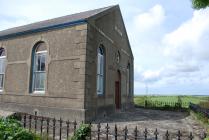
[[37, 30]]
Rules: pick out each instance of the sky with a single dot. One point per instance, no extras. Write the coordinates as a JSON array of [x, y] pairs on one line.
[[168, 38]]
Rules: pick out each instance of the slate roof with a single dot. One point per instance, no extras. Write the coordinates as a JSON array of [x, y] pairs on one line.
[[68, 20]]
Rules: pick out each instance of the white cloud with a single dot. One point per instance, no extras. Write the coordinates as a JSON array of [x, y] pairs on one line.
[[8, 24], [186, 68], [150, 19], [169, 73], [146, 28], [191, 39], [33, 11], [151, 76]]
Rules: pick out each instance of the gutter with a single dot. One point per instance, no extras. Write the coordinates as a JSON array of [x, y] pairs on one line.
[[43, 29]]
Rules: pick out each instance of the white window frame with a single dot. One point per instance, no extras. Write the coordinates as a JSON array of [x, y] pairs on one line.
[[100, 71], [3, 74], [39, 53], [128, 80]]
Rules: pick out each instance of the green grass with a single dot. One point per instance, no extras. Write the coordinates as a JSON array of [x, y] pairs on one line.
[[201, 117], [194, 99], [202, 120], [139, 100], [164, 98]]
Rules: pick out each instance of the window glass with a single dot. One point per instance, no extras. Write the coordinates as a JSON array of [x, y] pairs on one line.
[[102, 65], [1, 80], [42, 63], [98, 64], [39, 70], [2, 67], [100, 71], [2, 52], [118, 57], [39, 81], [128, 79]]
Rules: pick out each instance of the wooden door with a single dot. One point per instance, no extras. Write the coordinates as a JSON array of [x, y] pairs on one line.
[[117, 94]]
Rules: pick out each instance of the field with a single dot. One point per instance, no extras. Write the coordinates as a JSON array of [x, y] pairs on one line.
[[140, 100]]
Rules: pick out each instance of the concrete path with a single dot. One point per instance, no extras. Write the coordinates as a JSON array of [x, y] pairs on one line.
[[4, 113], [152, 119]]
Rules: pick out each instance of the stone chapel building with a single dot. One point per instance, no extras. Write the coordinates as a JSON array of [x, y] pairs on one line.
[[78, 66]]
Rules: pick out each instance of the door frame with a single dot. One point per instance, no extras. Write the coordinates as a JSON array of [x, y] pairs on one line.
[[118, 91]]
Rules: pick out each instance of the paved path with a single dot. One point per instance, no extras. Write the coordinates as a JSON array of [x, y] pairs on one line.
[[5, 114], [152, 119]]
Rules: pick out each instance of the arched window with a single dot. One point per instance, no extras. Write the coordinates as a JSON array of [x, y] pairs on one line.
[[100, 70], [39, 67], [118, 57], [2, 67], [128, 79]]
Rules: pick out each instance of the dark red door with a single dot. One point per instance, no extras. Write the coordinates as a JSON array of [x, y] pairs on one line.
[[117, 94]]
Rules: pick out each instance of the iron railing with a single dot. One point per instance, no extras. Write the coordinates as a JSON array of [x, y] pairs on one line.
[[61, 130], [198, 109]]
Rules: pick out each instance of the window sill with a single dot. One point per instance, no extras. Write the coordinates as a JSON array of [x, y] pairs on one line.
[[38, 93], [100, 95]]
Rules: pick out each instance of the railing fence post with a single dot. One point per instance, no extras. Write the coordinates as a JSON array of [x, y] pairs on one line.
[[116, 132], [35, 119], [98, 131], [60, 129], [67, 129], [125, 132], [75, 123], [179, 135], [24, 121], [42, 119], [30, 117], [47, 128], [90, 131], [145, 133], [135, 133], [107, 131], [167, 135], [191, 136], [54, 125], [156, 134]]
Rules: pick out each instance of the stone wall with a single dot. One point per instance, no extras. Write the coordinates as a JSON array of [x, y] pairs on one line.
[[109, 31], [70, 70], [65, 72]]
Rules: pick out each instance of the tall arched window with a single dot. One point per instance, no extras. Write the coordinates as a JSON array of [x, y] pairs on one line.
[[100, 70], [118, 57], [39, 67], [128, 79], [2, 67]]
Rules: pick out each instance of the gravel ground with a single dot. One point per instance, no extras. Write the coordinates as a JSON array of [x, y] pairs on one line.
[[152, 119], [145, 118]]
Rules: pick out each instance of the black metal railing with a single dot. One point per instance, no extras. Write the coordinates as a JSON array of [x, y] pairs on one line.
[[164, 105], [60, 129], [198, 109]]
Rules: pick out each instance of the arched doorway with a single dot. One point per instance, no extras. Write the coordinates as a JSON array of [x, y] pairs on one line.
[[118, 91]]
